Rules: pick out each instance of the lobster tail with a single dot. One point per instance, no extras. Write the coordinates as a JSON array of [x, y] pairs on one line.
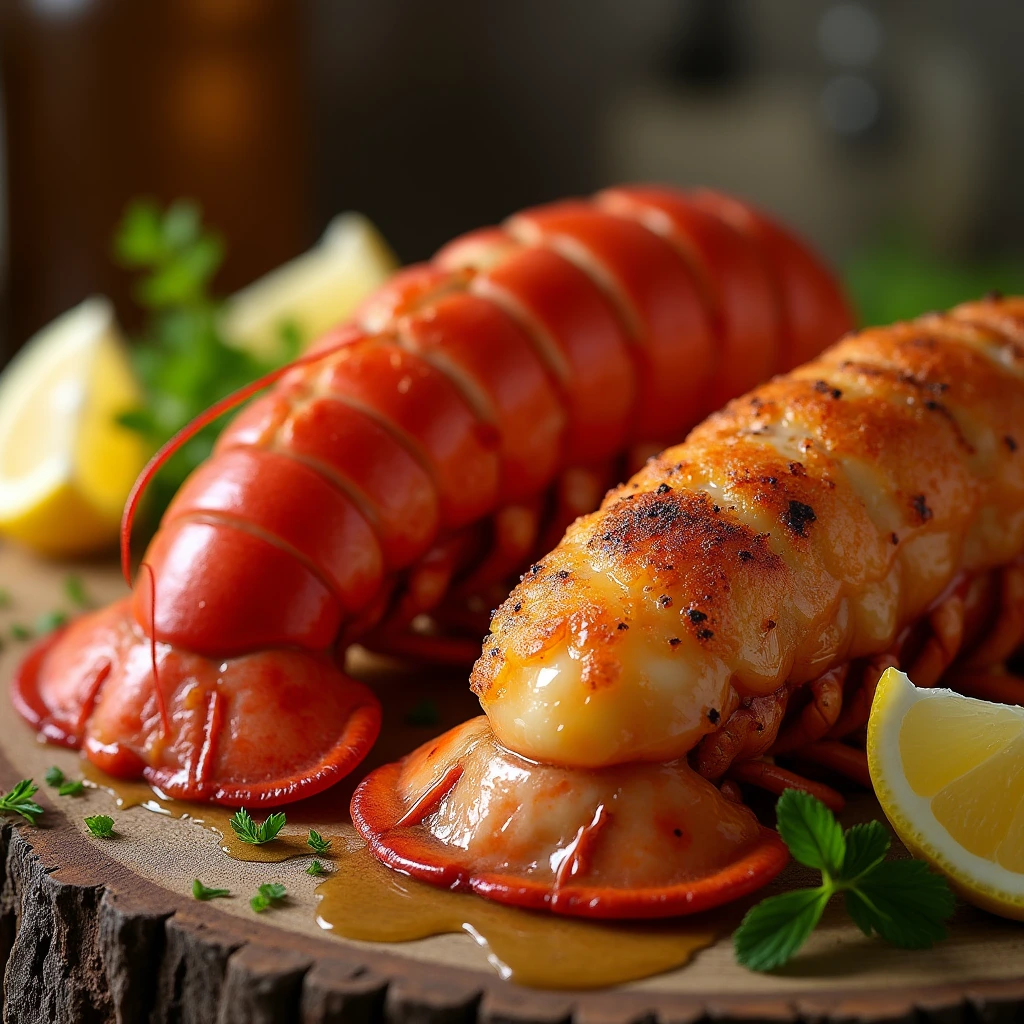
[[472, 408]]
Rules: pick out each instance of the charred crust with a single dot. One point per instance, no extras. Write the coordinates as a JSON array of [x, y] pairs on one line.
[[798, 517], [797, 469], [824, 388], [674, 642], [696, 615], [704, 634], [665, 601], [663, 489], [622, 625], [745, 556], [920, 506], [768, 625]]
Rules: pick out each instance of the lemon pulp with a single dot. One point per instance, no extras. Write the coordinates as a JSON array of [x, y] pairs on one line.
[[948, 771]]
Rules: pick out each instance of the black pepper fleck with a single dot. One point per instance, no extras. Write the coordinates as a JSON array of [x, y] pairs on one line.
[[665, 601], [663, 488], [745, 556], [1010, 443], [797, 469], [769, 625], [798, 517], [920, 505], [677, 832], [696, 615], [704, 634], [823, 387], [674, 641], [536, 568], [714, 716], [622, 625], [563, 574], [894, 538], [518, 606]]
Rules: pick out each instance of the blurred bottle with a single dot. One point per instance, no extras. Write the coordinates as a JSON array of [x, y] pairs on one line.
[[108, 99], [844, 118]]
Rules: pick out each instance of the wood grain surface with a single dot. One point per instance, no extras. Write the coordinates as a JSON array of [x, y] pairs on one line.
[[108, 931]]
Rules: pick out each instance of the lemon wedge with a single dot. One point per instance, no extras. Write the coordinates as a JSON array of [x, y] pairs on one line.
[[66, 466], [948, 771], [312, 292]]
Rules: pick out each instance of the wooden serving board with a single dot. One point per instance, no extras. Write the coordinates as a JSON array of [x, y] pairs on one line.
[[94, 930]]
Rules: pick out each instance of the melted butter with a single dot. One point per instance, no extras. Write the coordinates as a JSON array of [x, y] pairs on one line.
[[288, 844], [362, 900]]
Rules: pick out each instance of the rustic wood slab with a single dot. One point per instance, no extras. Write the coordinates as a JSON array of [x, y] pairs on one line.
[[105, 931]]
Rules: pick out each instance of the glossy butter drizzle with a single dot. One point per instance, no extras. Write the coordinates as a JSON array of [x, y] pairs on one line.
[[363, 900]]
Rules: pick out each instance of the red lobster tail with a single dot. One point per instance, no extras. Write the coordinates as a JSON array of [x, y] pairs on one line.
[[415, 443]]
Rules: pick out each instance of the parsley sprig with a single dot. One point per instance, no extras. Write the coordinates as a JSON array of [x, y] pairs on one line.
[[267, 895], [317, 843], [316, 869], [256, 833], [101, 826], [181, 357], [19, 801], [902, 901], [203, 892]]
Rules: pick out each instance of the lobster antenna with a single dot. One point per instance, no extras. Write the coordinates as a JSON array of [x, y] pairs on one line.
[[165, 720], [190, 430]]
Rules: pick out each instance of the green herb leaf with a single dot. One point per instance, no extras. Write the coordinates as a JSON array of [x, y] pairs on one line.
[[101, 826], [202, 892], [75, 590], [19, 631], [866, 846], [268, 894], [73, 787], [49, 621], [316, 869], [5, 598], [54, 776], [317, 843], [19, 801], [777, 927], [424, 714], [811, 832], [902, 901], [248, 831]]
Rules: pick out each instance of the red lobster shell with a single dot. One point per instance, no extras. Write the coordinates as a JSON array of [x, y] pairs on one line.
[[474, 406]]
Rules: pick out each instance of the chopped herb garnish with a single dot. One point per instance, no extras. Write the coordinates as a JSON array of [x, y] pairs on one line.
[[423, 715], [202, 892], [49, 621], [316, 869], [54, 776], [19, 801], [20, 631], [269, 893], [73, 787], [317, 843], [5, 598], [101, 826], [248, 831], [903, 901], [75, 590]]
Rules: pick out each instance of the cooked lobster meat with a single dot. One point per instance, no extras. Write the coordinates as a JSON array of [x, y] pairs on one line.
[[736, 599], [474, 406]]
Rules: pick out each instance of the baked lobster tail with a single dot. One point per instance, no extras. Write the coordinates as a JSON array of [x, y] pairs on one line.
[[732, 604], [427, 450]]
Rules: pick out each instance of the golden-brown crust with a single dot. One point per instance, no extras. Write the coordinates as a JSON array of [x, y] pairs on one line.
[[807, 522]]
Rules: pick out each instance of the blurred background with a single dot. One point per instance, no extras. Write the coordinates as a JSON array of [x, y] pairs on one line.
[[891, 132]]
